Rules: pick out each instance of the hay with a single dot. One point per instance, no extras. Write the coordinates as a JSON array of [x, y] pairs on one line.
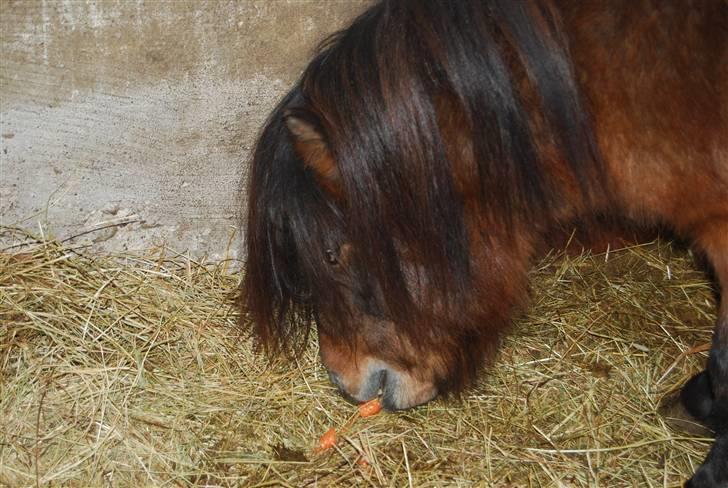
[[128, 370]]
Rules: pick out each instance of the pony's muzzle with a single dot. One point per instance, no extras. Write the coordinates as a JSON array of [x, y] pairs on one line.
[[398, 390]]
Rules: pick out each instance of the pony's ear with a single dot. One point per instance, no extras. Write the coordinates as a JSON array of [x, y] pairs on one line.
[[311, 147]]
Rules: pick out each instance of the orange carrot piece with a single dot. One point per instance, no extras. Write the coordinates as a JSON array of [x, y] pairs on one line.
[[327, 440], [372, 407]]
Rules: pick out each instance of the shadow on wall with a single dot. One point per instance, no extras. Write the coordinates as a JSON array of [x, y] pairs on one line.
[[130, 122]]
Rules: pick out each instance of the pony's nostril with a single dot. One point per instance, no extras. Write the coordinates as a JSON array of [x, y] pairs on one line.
[[336, 380]]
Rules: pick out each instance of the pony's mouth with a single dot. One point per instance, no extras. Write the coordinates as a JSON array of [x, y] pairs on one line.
[[382, 382]]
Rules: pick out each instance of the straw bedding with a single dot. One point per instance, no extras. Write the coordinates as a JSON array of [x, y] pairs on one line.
[[129, 370]]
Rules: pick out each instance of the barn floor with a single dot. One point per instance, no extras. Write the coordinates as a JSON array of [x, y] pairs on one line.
[[128, 370]]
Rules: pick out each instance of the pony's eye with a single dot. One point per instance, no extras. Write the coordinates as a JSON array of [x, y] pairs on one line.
[[331, 257]]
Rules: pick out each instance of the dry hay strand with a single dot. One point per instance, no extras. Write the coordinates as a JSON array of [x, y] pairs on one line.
[[128, 370]]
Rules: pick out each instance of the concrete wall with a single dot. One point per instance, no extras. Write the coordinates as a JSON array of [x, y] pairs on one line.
[[142, 113]]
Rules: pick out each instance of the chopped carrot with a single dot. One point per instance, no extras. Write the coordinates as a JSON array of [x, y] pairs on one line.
[[362, 461], [372, 407], [327, 440]]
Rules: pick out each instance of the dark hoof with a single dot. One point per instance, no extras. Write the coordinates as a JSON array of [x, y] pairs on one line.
[[697, 397], [679, 419], [713, 473]]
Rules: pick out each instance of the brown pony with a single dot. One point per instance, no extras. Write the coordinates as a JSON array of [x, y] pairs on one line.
[[401, 189]]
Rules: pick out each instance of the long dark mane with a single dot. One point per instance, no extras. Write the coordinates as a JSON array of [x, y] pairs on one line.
[[385, 94]]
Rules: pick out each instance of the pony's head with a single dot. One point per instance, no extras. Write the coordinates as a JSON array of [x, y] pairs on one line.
[[396, 191]]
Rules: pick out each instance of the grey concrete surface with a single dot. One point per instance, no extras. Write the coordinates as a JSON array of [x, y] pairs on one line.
[[128, 123]]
